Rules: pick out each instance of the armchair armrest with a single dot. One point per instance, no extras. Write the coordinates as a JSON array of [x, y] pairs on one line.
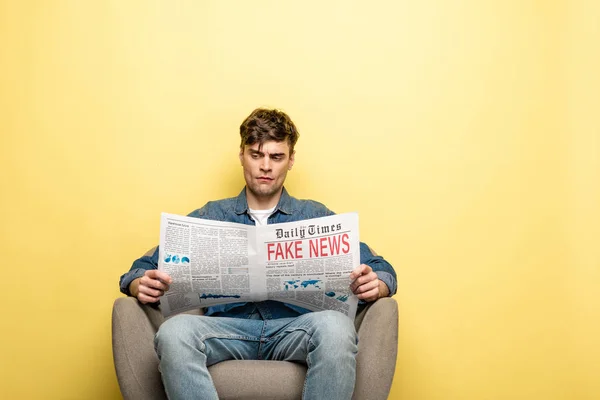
[[136, 363], [377, 349]]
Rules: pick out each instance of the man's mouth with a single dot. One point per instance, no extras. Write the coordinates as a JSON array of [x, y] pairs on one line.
[[264, 179]]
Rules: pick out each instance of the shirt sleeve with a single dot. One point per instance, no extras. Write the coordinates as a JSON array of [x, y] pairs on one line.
[[145, 263], [138, 269], [384, 270]]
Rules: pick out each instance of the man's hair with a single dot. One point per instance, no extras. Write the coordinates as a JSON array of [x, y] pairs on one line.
[[268, 124]]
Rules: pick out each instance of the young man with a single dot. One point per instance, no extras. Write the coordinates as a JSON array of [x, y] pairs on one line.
[[326, 341]]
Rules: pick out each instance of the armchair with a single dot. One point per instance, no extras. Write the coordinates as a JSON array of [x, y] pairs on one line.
[[136, 363]]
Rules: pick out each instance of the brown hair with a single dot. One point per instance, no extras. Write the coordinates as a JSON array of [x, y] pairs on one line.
[[265, 124]]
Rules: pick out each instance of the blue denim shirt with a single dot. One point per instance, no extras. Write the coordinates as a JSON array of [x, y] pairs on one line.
[[235, 209]]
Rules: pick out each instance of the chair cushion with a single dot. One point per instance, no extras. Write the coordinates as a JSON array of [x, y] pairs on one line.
[[253, 380]]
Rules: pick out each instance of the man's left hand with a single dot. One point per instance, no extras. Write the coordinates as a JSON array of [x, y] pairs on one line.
[[365, 284]]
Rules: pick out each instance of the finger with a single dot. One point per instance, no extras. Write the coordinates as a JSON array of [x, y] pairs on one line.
[[360, 270], [151, 292], [153, 283], [145, 299], [370, 295], [366, 287], [160, 275], [361, 280]]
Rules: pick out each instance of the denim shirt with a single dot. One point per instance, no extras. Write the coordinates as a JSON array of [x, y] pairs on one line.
[[235, 209]]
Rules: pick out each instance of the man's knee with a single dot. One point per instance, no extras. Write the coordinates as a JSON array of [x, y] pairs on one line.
[[334, 329], [180, 330], [332, 322]]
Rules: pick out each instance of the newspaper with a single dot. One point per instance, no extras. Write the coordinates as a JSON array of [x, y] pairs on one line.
[[305, 263]]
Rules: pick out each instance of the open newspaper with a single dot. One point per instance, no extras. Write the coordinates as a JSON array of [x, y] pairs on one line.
[[305, 263]]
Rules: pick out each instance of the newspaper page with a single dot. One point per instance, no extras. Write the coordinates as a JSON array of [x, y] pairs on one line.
[[305, 263], [308, 263]]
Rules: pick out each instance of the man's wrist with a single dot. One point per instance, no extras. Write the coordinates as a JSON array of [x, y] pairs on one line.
[[389, 280], [384, 291], [134, 287]]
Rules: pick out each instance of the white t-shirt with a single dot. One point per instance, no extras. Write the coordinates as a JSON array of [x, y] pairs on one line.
[[261, 216]]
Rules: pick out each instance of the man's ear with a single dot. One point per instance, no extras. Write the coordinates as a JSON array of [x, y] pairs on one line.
[[241, 155], [292, 159]]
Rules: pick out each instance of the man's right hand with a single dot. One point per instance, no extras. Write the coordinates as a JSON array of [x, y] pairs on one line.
[[151, 286]]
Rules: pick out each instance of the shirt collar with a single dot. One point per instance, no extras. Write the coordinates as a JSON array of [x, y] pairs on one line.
[[284, 205]]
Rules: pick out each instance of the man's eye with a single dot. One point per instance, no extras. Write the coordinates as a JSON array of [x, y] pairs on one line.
[[254, 155]]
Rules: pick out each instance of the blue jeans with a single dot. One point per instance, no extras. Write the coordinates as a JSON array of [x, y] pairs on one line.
[[325, 341]]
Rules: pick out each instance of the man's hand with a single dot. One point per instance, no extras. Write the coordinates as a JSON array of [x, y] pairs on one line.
[[365, 284], [151, 286]]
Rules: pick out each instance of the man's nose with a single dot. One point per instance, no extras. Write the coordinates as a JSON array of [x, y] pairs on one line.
[[265, 165]]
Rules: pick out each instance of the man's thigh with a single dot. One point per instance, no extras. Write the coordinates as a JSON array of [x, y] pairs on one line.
[[219, 338], [291, 339]]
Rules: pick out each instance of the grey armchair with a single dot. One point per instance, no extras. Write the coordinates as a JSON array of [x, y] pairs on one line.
[[136, 363]]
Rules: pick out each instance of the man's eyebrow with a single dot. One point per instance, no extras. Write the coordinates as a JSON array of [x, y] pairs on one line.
[[254, 151]]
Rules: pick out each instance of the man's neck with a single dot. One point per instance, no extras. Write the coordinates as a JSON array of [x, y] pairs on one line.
[[262, 203]]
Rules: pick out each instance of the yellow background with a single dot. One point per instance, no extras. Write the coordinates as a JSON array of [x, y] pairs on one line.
[[465, 133]]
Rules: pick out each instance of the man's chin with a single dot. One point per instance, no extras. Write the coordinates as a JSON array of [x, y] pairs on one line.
[[264, 192]]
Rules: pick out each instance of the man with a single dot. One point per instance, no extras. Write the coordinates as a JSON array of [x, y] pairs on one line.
[[326, 341]]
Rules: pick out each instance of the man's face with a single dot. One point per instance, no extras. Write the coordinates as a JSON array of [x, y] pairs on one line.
[[265, 169]]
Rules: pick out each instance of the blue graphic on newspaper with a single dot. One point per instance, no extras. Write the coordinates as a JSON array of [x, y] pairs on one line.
[[341, 297], [295, 284], [176, 259]]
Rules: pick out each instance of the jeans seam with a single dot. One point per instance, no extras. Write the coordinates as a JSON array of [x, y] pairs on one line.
[[261, 340], [234, 337], [202, 339], [310, 347], [291, 330]]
